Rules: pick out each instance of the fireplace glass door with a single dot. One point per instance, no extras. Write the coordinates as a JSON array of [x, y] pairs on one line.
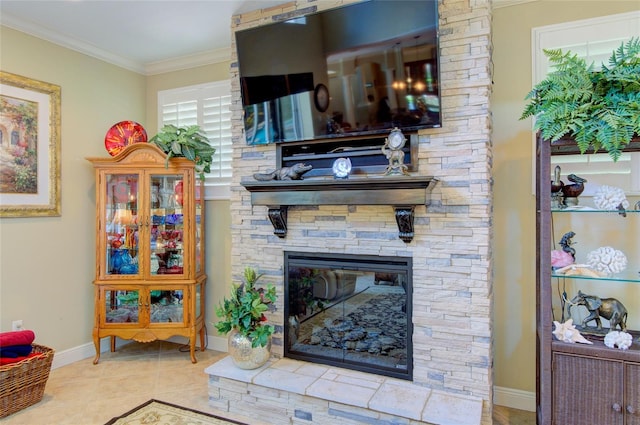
[[350, 311]]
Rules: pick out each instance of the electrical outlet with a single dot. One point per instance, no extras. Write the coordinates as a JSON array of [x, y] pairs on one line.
[[16, 325]]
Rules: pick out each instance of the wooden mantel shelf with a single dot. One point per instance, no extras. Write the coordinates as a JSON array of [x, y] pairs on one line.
[[403, 193]]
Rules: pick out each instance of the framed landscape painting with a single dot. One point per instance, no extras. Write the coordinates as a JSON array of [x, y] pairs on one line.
[[29, 147]]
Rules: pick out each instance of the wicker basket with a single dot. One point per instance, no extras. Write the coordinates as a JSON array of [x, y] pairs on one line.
[[22, 384]]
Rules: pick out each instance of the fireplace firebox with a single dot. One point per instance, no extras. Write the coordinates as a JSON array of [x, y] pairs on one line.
[[351, 311]]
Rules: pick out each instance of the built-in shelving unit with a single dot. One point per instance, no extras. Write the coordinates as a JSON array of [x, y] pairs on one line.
[[567, 373]]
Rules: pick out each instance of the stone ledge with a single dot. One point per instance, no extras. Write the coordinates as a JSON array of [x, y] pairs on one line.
[[394, 397]]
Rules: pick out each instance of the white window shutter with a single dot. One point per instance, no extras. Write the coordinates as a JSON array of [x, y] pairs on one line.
[[206, 105]]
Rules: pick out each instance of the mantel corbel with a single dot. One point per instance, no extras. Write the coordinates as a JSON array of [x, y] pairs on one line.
[[402, 193]]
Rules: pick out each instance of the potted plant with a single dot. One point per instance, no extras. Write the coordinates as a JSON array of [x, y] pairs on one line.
[[188, 142], [599, 109], [242, 317]]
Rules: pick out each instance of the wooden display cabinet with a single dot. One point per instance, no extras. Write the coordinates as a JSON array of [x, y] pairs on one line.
[[150, 277], [582, 384]]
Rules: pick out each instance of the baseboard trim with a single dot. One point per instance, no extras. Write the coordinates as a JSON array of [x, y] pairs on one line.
[[81, 352], [85, 351], [502, 396], [515, 399]]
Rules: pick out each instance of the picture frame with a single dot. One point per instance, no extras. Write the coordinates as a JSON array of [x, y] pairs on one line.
[[29, 147]]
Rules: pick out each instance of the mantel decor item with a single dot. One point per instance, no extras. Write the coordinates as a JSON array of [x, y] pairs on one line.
[[189, 142], [30, 151], [392, 149], [599, 109], [341, 168], [244, 320], [295, 172]]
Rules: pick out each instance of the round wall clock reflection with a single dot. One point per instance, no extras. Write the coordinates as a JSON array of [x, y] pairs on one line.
[[321, 97]]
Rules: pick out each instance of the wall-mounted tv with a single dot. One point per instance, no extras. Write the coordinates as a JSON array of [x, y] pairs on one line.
[[357, 70]]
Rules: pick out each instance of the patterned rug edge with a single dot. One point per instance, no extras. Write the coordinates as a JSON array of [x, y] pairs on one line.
[[115, 420]]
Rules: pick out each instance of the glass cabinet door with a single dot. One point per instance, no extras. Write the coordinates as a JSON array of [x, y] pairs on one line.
[[122, 306], [199, 234], [166, 306], [121, 218], [166, 225], [199, 299]]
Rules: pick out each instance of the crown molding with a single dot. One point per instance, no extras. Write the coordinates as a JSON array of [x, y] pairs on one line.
[[152, 68], [189, 61], [71, 43]]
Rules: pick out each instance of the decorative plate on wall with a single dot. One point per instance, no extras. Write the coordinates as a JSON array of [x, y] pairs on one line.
[[123, 134]]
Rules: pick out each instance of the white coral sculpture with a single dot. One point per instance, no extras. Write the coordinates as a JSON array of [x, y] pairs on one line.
[[567, 332], [622, 340], [610, 198], [607, 260]]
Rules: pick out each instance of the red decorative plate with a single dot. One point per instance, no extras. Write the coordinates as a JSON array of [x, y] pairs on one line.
[[122, 135]]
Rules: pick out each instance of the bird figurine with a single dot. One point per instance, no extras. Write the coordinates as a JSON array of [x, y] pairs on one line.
[[572, 191]]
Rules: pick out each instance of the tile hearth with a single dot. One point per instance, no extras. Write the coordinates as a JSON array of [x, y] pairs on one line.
[[288, 391]]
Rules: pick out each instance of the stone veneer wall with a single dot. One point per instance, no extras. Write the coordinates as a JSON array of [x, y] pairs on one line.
[[451, 250]]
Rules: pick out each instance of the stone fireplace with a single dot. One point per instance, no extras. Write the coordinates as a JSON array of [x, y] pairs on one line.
[[449, 251]]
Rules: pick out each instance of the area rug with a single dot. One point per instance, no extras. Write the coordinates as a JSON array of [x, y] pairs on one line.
[[155, 412]]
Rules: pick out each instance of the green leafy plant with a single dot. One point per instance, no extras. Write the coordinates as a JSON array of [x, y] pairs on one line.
[[188, 142], [244, 311], [599, 109]]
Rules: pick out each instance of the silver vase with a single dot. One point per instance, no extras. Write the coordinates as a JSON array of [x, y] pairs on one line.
[[244, 355]]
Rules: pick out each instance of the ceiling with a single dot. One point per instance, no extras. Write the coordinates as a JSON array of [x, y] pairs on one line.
[[145, 36]]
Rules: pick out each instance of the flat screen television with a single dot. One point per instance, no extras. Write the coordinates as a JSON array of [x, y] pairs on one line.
[[357, 70]]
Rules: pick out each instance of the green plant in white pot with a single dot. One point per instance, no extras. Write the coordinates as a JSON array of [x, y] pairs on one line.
[[189, 142], [599, 109]]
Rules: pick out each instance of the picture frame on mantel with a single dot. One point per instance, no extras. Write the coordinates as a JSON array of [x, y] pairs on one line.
[[29, 147]]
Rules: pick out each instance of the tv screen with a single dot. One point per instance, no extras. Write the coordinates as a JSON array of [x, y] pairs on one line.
[[357, 70]]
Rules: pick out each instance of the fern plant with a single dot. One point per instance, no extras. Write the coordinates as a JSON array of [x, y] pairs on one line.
[[599, 109], [188, 142]]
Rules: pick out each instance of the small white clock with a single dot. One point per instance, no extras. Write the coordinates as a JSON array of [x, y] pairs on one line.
[[341, 168]]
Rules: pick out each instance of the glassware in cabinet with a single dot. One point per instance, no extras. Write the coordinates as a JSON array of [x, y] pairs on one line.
[[121, 224], [121, 306], [167, 225]]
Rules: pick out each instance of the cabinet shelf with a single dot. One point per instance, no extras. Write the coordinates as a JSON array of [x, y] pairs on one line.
[[628, 276], [598, 349], [589, 210]]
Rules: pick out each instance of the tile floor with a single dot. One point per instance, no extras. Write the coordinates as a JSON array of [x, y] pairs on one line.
[[85, 394]]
